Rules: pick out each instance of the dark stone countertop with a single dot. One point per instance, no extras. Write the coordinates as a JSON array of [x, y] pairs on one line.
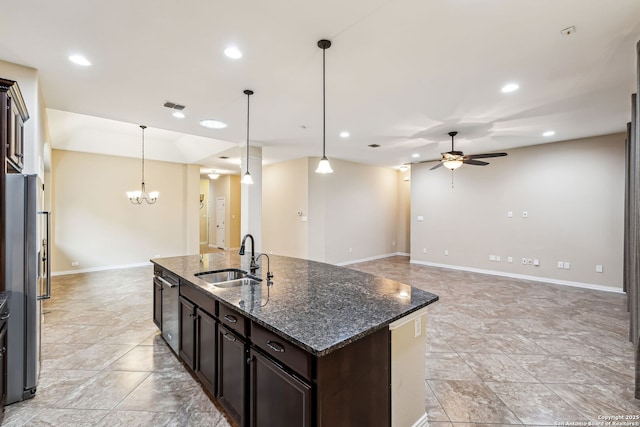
[[320, 307]]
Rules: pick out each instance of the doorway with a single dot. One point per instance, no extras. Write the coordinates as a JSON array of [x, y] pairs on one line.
[[221, 212]]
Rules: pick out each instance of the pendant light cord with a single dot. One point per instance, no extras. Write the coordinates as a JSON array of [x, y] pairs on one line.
[[143, 127], [248, 95], [324, 50]]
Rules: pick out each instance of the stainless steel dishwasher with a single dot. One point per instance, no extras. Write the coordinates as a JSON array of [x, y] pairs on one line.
[[170, 309]]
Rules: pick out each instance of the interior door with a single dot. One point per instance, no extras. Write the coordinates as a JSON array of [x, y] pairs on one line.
[[220, 216]]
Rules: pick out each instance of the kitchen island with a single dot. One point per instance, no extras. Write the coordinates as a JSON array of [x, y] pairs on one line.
[[319, 346]]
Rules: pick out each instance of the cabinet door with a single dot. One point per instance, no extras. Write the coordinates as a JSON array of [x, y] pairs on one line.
[[206, 347], [188, 332], [232, 368], [157, 303], [277, 399]]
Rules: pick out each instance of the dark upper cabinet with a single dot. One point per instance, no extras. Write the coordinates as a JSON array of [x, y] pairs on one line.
[[12, 120]]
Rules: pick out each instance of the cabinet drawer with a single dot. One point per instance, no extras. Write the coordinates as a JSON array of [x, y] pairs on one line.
[[280, 349], [232, 319], [203, 301]]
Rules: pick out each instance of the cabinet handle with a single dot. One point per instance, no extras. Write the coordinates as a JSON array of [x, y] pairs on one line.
[[250, 359], [275, 346], [5, 316], [229, 337], [231, 319], [3, 351]]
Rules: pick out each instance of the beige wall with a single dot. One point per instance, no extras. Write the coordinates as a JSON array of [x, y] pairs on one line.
[[227, 186], [96, 225], [403, 238], [285, 192], [204, 211], [352, 214], [572, 191]]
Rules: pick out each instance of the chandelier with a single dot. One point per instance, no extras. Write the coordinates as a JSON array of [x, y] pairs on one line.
[[137, 197]]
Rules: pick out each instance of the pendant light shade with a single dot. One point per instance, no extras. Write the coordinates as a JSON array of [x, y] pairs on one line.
[[324, 166], [137, 197], [246, 179]]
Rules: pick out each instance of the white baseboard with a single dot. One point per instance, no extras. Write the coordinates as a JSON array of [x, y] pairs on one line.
[[373, 258], [523, 277], [422, 421], [107, 267]]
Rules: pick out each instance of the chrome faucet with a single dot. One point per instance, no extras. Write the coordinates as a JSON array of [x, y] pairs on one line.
[[253, 266]]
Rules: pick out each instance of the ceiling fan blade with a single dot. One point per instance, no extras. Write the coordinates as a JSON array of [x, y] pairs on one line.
[[475, 162], [436, 166], [485, 156]]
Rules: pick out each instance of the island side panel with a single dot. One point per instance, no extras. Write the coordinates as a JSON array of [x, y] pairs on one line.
[[408, 370], [353, 383]]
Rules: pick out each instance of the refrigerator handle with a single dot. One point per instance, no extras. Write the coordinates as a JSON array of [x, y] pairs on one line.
[[46, 257]]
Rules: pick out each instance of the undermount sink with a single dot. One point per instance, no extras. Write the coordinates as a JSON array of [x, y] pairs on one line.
[[236, 283], [227, 278]]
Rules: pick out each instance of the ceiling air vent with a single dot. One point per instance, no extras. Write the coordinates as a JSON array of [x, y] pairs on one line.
[[174, 106], [374, 145]]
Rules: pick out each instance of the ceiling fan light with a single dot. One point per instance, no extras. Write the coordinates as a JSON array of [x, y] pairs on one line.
[[452, 164], [324, 166]]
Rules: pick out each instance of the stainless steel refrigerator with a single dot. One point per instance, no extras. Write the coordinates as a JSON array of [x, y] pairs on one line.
[[27, 270]]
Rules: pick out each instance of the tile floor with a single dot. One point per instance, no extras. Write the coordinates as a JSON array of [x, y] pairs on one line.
[[499, 352]]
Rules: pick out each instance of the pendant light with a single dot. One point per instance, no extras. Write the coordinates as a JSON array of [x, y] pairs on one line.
[[246, 179], [324, 166], [137, 197]]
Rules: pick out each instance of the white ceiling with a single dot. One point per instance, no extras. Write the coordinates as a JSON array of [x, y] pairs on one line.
[[400, 74]]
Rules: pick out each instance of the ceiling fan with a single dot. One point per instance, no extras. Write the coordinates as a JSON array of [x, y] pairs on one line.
[[454, 159]]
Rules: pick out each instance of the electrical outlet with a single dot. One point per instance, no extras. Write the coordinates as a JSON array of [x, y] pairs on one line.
[[536, 262], [599, 269], [424, 250], [74, 263], [567, 265], [510, 259], [560, 264], [446, 251], [417, 326], [497, 258], [492, 257]]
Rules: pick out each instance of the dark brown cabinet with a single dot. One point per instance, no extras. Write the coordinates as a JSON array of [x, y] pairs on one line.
[[232, 368], [206, 350], [188, 332], [14, 116], [277, 398], [157, 302]]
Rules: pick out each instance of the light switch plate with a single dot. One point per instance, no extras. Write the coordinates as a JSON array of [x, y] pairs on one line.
[[417, 326]]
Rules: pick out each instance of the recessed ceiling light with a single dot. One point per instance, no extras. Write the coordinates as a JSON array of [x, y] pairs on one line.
[[344, 134], [549, 133], [178, 114], [213, 124], [510, 87], [415, 156], [80, 60], [233, 52]]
